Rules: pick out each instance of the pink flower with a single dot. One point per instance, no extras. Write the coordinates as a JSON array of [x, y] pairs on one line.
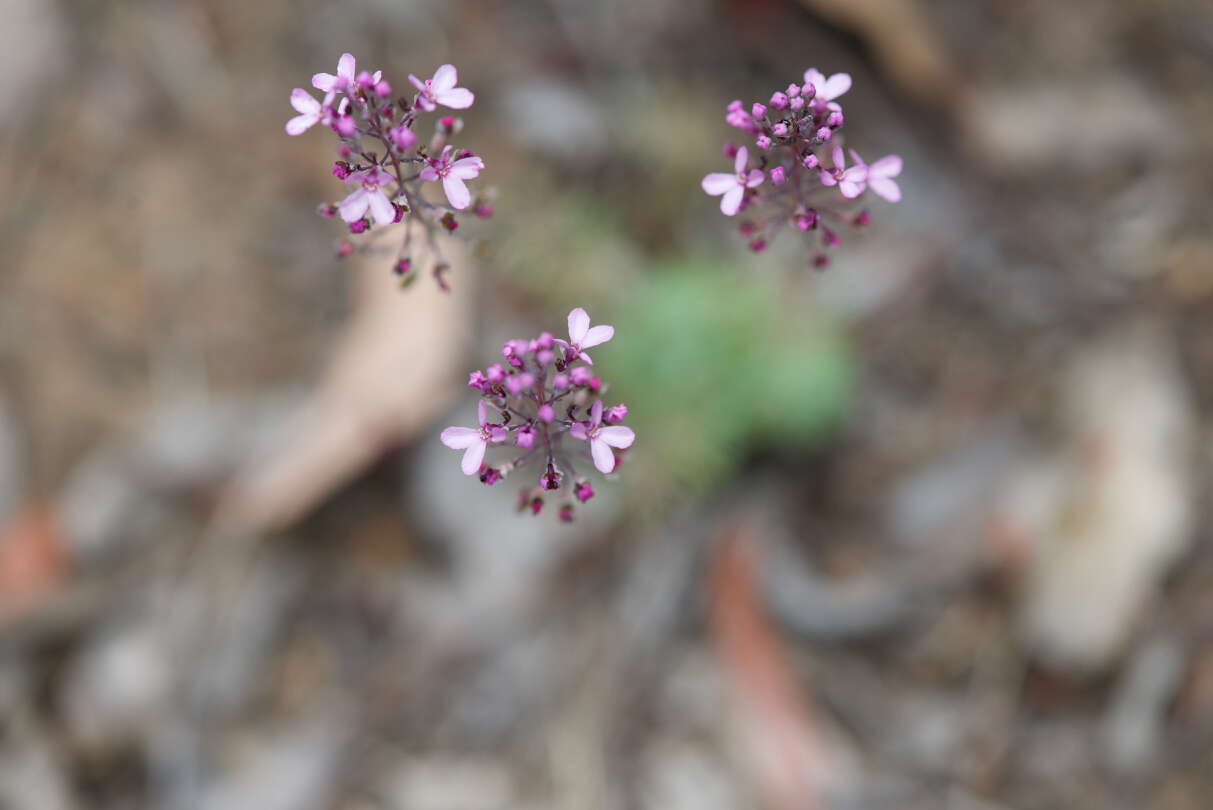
[[452, 174], [602, 438], [581, 336], [879, 175], [441, 89], [345, 79], [474, 441], [849, 181], [369, 195], [311, 111], [827, 89], [732, 186]]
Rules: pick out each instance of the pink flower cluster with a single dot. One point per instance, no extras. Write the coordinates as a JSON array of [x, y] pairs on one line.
[[381, 155], [548, 408], [786, 183]]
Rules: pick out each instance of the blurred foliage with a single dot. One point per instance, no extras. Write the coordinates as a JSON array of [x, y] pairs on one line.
[[713, 365]]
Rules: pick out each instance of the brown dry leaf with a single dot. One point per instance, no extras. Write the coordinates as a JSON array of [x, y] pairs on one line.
[[32, 561], [903, 41], [785, 750], [393, 370]]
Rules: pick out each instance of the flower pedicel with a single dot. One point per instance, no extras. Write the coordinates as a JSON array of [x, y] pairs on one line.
[[382, 157], [548, 408]]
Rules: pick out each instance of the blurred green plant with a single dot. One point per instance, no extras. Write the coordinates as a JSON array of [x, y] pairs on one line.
[[714, 366]]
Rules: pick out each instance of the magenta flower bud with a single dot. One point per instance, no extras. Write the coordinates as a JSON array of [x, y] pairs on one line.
[[758, 245], [365, 80], [580, 375], [345, 248], [758, 110], [595, 383], [477, 380], [617, 414], [514, 384], [345, 126], [808, 91], [746, 228], [546, 414], [536, 505], [824, 134], [490, 476], [820, 261], [447, 122], [566, 513], [383, 89], [829, 238], [545, 356], [863, 218], [359, 226], [734, 106], [811, 161], [779, 101], [344, 151], [796, 104], [835, 119], [730, 150], [525, 437], [495, 373], [806, 219], [560, 381], [399, 209], [341, 170], [483, 210], [403, 266], [326, 211], [793, 90], [762, 142], [780, 130], [550, 479], [545, 340], [583, 490], [778, 176], [403, 137]]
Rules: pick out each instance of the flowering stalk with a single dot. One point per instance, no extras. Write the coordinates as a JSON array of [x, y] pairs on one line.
[[548, 408], [794, 134], [381, 156]]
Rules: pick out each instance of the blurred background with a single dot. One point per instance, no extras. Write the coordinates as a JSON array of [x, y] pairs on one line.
[[926, 530]]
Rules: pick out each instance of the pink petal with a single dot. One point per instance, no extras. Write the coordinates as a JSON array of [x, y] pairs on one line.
[[814, 77], [617, 436], [324, 82], [482, 413], [466, 168], [599, 334], [354, 206], [460, 438], [604, 458], [885, 187], [754, 178], [429, 174], [585, 358], [827, 178], [730, 203], [856, 158], [345, 67], [381, 207], [458, 98], [303, 102], [835, 86], [579, 324], [300, 124], [445, 77], [578, 431], [887, 166], [420, 85], [840, 161], [851, 188], [473, 457], [457, 193], [718, 183], [596, 414], [740, 161]]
